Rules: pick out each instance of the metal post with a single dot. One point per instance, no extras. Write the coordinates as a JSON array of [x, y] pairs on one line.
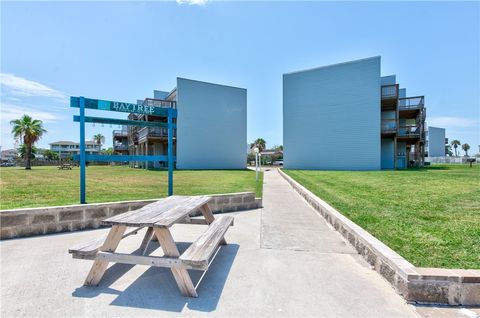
[[170, 152], [82, 152], [256, 166], [259, 161]]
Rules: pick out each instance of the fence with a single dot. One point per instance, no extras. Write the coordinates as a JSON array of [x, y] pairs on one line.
[[450, 160]]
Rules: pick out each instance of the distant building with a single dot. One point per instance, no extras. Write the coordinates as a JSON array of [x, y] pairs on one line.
[[66, 149], [8, 155], [435, 142], [348, 117], [271, 155], [211, 128]]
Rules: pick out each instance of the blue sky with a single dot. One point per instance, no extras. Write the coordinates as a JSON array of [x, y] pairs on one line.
[[124, 50]]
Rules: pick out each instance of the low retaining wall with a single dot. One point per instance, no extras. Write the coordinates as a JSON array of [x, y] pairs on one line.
[[422, 285], [36, 221]]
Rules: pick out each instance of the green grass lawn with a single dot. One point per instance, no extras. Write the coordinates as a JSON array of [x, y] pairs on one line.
[[48, 186], [429, 216]]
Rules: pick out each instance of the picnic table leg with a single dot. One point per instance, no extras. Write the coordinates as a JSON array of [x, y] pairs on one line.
[[209, 218], [146, 240], [110, 245], [180, 274]]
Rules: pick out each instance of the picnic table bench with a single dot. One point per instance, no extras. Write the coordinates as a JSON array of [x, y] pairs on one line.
[[65, 166], [158, 217]]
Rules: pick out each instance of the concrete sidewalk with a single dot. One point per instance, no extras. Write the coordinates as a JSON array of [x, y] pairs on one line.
[[282, 260]]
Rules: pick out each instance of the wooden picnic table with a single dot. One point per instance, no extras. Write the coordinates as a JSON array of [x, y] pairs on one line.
[[158, 217]]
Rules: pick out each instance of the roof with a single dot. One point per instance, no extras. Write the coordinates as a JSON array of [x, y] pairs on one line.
[[331, 65], [63, 142], [209, 83]]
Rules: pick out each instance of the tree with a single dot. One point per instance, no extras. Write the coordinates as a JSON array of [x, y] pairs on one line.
[[23, 151], [50, 155], [455, 143], [260, 143], [30, 130], [108, 151], [448, 150], [465, 148], [99, 139], [250, 157]]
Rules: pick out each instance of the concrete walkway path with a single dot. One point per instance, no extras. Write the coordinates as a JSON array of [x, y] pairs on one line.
[[341, 282]]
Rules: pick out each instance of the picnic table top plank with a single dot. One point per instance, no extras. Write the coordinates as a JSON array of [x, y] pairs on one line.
[[162, 213]]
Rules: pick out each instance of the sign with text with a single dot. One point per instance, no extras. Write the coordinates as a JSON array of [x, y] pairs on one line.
[[119, 106]]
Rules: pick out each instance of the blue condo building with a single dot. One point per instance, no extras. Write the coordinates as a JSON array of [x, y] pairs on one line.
[[348, 117], [211, 127]]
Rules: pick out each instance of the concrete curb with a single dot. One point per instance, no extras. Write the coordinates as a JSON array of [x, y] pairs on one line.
[[422, 285], [45, 220]]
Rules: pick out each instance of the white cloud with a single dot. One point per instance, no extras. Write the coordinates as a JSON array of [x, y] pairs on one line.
[[193, 2], [20, 86], [10, 112], [452, 122]]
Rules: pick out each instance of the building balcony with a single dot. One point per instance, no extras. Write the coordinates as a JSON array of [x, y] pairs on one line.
[[160, 103], [411, 103], [413, 131], [120, 133], [57, 149], [154, 132], [120, 147], [390, 91], [389, 126]]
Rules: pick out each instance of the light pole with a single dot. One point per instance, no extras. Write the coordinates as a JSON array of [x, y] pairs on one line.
[[260, 161], [255, 150]]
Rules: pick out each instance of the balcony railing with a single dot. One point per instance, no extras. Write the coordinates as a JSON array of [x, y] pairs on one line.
[[389, 125], [390, 91], [160, 103], [120, 147], [120, 133], [146, 132], [411, 102], [409, 131], [87, 148]]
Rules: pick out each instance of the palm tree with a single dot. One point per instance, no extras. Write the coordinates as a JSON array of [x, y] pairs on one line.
[[260, 143], [455, 143], [465, 148], [99, 139], [30, 130], [22, 150]]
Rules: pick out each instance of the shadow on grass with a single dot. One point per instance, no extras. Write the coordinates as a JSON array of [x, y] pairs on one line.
[[422, 169], [195, 170], [156, 288]]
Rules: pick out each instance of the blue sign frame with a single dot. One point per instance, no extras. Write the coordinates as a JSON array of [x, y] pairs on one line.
[[82, 103]]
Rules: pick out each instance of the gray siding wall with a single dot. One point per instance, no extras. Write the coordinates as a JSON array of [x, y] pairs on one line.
[[211, 126], [389, 80], [436, 142], [160, 94], [331, 117]]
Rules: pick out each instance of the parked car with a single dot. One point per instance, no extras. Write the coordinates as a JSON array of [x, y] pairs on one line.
[[7, 164], [278, 163]]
